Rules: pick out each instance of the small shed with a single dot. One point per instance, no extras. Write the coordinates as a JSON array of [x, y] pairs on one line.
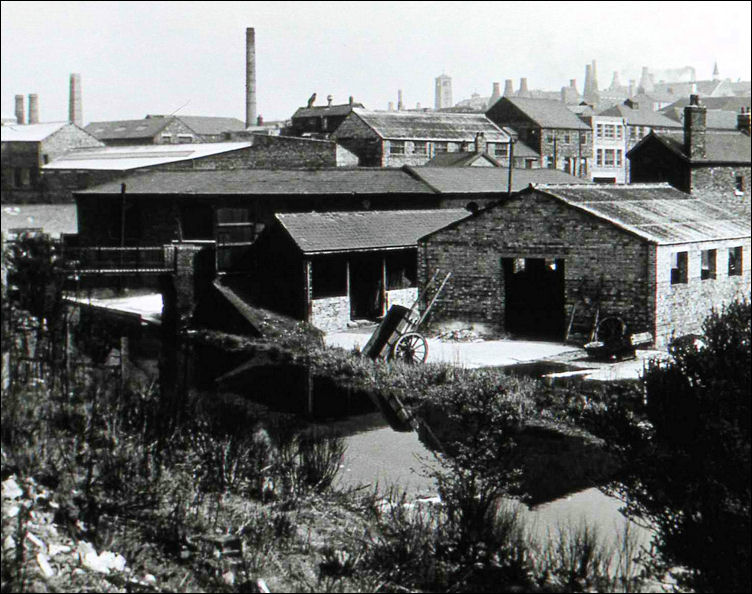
[[331, 267]]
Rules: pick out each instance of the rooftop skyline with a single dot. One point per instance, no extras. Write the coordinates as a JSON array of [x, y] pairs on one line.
[[162, 57]]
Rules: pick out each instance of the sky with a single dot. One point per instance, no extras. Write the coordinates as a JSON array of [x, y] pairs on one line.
[[137, 58]]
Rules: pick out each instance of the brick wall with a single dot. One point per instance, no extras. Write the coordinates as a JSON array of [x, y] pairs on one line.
[[681, 308], [330, 313], [597, 257]]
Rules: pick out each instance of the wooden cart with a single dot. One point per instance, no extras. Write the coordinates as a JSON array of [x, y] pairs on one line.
[[397, 337]]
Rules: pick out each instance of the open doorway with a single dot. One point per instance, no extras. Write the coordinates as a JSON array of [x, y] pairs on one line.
[[534, 297], [366, 290]]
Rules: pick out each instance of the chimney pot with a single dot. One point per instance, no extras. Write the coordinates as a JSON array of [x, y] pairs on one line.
[[480, 143], [329, 100], [695, 121], [743, 121], [259, 120], [20, 115], [33, 108], [351, 100]]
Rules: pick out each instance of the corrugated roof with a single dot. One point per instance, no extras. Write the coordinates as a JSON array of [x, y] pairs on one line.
[[123, 158], [460, 180], [29, 132], [128, 129], [266, 181], [212, 126], [417, 125], [368, 230], [644, 116], [656, 212], [547, 113], [720, 147]]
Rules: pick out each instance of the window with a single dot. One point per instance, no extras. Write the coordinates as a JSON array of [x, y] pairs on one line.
[[185, 138], [707, 270], [735, 261], [739, 183], [166, 138], [329, 277], [419, 148], [501, 150], [549, 138], [599, 130], [599, 157], [397, 147], [550, 163], [618, 157], [609, 158], [440, 147], [609, 131], [679, 268], [619, 132], [566, 139], [518, 265]]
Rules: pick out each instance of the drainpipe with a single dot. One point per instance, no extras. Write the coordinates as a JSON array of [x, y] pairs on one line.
[[511, 166]]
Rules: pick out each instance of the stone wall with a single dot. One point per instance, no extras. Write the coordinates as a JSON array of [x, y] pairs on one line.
[[598, 258], [360, 139], [567, 144], [330, 313], [681, 308], [720, 182], [404, 297]]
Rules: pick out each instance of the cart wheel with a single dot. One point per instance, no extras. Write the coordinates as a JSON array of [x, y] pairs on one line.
[[411, 348], [611, 330]]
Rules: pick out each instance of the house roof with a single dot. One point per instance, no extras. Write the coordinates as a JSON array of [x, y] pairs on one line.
[[657, 213], [124, 158], [366, 230], [128, 129], [720, 147], [460, 159], [472, 180], [644, 116], [29, 132], [212, 126], [547, 113], [246, 182], [723, 103], [322, 111], [431, 125]]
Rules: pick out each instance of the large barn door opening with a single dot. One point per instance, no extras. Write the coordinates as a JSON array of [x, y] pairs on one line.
[[366, 287], [534, 297]]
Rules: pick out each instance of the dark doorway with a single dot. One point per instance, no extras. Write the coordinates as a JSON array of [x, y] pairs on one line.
[[366, 287], [534, 297]]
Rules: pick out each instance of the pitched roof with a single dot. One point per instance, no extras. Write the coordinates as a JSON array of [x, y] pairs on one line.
[[321, 111], [365, 230], [644, 116], [211, 125], [722, 103], [431, 125], [464, 180], [720, 147], [547, 113], [657, 213], [460, 159], [247, 182], [29, 132], [123, 158], [128, 129]]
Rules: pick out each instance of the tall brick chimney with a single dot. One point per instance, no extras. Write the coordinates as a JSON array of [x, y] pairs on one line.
[[743, 121], [508, 88], [75, 113], [695, 117], [400, 105], [20, 115], [33, 108], [250, 76]]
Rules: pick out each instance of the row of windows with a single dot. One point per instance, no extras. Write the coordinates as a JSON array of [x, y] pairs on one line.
[[399, 147], [609, 131], [708, 270], [568, 138], [608, 157], [176, 138], [21, 177]]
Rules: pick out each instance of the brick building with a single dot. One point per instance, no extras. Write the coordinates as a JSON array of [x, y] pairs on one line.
[[396, 138], [26, 149], [552, 257], [319, 121], [160, 129], [561, 139], [328, 268], [710, 162], [609, 156]]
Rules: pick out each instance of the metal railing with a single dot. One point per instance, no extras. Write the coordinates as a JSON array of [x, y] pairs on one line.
[[103, 260]]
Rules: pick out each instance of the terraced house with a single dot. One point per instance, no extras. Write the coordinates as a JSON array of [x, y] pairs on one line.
[[397, 138]]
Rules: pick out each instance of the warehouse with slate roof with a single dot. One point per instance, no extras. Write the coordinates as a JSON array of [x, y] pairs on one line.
[[553, 260], [396, 138], [332, 267]]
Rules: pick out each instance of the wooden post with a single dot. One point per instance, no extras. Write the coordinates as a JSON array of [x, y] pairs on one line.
[[308, 288], [383, 285]]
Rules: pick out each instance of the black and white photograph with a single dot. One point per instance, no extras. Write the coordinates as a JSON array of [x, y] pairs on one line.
[[376, 296]]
